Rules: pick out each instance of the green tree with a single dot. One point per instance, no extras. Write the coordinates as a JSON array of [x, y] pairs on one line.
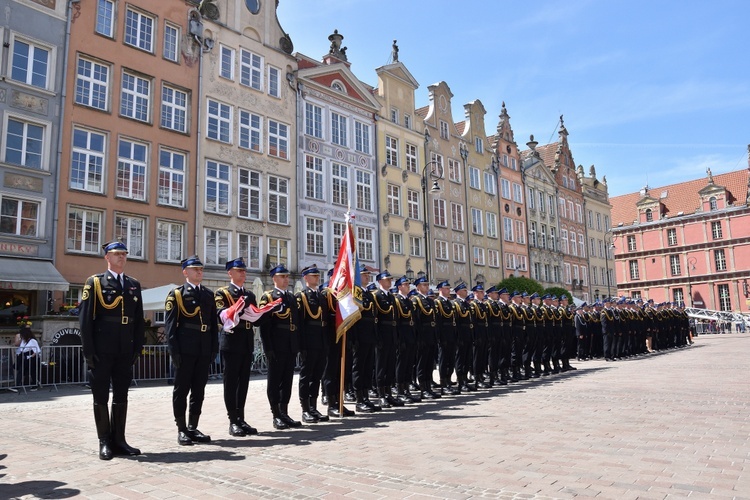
[[521, 284]]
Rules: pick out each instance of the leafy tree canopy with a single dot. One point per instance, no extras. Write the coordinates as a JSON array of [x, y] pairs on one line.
[[521, 284]]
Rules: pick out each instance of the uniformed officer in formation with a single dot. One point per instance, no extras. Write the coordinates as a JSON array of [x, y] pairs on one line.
[[481, 315], [363, 339], [427, 334], [385, 354], [465, 319], [279, 333], [518, 327], [313, 342], [445, 316], [112, 333], [236, 344], [191, 327], [406, 336]]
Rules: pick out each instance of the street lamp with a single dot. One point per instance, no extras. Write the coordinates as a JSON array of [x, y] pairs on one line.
[[435, 174], [691, 261], [464, 152], [495, 166], [607, 247]]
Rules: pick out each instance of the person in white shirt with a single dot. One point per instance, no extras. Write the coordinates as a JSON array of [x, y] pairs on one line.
[[27, 357]]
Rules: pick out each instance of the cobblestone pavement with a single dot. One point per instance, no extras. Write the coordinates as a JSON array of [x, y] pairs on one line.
[[669, 425]]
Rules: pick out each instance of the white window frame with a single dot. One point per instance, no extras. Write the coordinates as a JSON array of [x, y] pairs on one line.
[[362, 137], [23, 226], [219, 121], [131, 175], [457, 217], [490, 183], [92, 79], [338, 129], [218, 188], [475, 180], [174, 108], [278, 139], [216, 253], [416, 245], [31, 65], [391, 151], [249, 247], [171, 45], [313, 120], [459, 252], [454, 171], [444, 133], [674, 265], [507, 229], [441, 250], [278, 200], [167, 249], [172, 179], [27, 153], [250, 131], [395, 243], [132, 231], [364, 243], [517, 193], [251, 70], [249, 194], [477, 221], [393, 199], [135, 97], [720, 259], [314, 235], [314, 178], [363, 186], [493, 258], [412, 157], [414, 204], [141, 24], [278, 248], [478, 256], [340, 184], [89, 159], [274, 81], [520, 232], [505, 189], [105, 18], [92, 223], [491, 224], [226, 62], [439, 215]]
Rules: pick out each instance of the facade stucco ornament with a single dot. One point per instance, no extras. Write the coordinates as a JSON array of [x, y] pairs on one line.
[[336, 49], [404, 175], [386, 219], [394, 52], [406, 224]]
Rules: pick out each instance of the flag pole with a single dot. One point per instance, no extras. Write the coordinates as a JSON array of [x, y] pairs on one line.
[[342, 378]]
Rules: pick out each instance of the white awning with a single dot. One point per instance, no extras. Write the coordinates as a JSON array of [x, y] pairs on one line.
[[154, 298], [26, 274]]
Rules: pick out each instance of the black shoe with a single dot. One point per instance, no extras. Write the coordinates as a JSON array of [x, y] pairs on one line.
[[183, 439], [235, 430], [363, 407], [350, 397], [413, 387], [324, 400], [333, 411], [373, 394], [484, 385], [249, 429], [278, 423], [384, 403], [309, 418], [393, 401], [290, 421], [320, 416], [429, 394], [197, 436], [373, 405], [105, 452]]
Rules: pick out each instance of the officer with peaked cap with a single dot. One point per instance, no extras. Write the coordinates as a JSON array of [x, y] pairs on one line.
[[313, 342], [406, 353], [236, 344], [385, 354], [481, 314], [112, 333], [192, 334], [518, 327], [364, 338], [426, 326], [465, 319], [445, 315], [279, 333]]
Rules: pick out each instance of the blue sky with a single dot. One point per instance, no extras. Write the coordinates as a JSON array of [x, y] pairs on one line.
[[653, 92]]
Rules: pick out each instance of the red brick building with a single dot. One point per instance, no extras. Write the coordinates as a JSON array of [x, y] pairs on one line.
[[687, 242]]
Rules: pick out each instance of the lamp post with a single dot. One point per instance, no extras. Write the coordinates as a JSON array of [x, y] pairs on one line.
[[495, 166], [435, 174], [691, 261], [607, 247]]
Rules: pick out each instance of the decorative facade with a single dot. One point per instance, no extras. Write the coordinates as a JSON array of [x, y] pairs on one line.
[[401, 185], [544, 225], [128, 139], [247, 164], [512, 207], [336, 160], [31, 110], [687, 243], [597, 212]]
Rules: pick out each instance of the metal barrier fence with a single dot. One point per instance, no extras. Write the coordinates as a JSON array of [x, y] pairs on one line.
[[63, 365]]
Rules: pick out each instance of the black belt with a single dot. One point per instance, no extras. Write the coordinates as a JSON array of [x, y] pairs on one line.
[[191, 326], [242, 325], [285, 326], [316, 323], [120, 320]]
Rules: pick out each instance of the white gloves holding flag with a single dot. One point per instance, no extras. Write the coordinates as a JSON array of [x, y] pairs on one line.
[[231, 316]]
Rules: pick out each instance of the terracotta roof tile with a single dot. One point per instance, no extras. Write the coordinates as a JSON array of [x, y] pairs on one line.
[[422, 111], [460, 127], [681, 197]]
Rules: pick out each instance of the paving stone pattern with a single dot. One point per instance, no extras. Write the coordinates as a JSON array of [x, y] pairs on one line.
[[670, 425]]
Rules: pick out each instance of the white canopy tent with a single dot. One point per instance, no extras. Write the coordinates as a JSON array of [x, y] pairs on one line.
[[154, 298]]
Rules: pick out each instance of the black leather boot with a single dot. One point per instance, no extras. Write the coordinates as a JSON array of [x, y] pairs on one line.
[[193, 431], [101, 419], [234, 424], [307, 416], [119, 417], [362, 406], [314, 410], [278, 422], [183, 438], [284, 410]]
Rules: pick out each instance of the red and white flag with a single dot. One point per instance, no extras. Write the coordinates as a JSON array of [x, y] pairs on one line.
[[231, 316], [344, 283]]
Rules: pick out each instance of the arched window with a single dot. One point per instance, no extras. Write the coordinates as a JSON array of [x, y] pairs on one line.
[[649, 215], [712, 203]]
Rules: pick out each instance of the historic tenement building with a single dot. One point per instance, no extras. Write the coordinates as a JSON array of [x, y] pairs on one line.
[[597, 213], [336, 160], [247, 163], [687, 243]]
